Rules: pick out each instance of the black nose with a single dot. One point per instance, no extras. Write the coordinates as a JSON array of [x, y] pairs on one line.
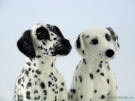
[[66, 43], [109, 53]]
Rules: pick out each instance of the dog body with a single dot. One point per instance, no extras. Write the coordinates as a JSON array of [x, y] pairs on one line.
[[39, 79], [93, 79]]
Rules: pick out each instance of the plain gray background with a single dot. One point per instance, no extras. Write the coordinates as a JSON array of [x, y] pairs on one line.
[[72, 17]]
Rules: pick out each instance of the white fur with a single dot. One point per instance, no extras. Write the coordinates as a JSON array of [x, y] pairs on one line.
[[88, 84], [46, 65]]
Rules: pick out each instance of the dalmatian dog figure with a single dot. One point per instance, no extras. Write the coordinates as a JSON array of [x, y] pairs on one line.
[[39, 79], [93, 79]]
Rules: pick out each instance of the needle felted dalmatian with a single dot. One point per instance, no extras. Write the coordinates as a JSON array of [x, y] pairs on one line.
[[93, 79], [39, 79]]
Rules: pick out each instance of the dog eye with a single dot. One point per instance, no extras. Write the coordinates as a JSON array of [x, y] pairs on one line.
[[108, 37], [94, 41]]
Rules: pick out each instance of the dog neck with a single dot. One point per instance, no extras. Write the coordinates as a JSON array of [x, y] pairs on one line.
[[42, 62], [95, 62]]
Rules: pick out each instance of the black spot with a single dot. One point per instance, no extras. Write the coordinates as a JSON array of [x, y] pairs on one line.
[[38, 72], [44, 98], [102, 96], [29, 69], [34, 64], [108, 37], [81, 96], [28, 63], [22, 85], [52, 64], [35, 91], [78, 42], [98, 71], [26, 72], [118, 44], [45, 92], [108, 81], [76, 78], [19, 81], [56, 92], [55, 79], [77, 67], [102, 74], [33, 71], [91, 76], [29, 84], [108, 67], [40, 47], [53, 89], [49, 83], [80, 78], [20, 97], [62, 83], [94, 41], [35, 76], [56, 86], [73, 91], [42, 85], [55, 98], [51, 73], [83, 51], [28, 95], [95, 91], [100, 65], [42, 62], [37, 98], [71, 96], [61, 89], [42, 33], [116, 87], [84, 61]]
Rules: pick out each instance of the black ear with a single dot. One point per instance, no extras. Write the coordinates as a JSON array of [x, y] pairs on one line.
[[80, 44], [25, 44], [114, 36]]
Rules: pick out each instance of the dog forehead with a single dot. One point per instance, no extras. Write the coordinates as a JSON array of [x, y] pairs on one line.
[[96, 31]]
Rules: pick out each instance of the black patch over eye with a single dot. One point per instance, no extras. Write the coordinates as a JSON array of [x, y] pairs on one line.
[[42, 33], [108, 37], [94, 41]]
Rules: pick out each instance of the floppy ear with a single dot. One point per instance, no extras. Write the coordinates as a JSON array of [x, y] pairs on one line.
[[25, 45], [80, 45], [114, 37]]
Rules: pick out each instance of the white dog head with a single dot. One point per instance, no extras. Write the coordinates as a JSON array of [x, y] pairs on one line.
[[98, 42]]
